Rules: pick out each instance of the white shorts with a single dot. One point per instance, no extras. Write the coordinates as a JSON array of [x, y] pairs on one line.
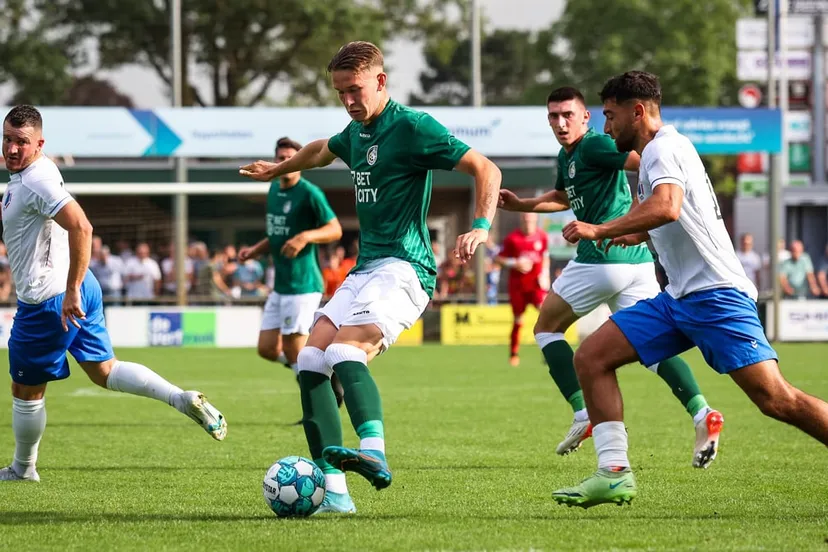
[[391, 297], [291, 314], [587, 286]]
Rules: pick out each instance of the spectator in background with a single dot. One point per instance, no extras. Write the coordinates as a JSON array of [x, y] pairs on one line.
[[124, 251], [782, 253], [454, 278], [796, 275], [229, 265], [333, 275], [350, 261], [210, 283], [6, 281], [249, 279], [168, 272], [822, 275], [108, 270], [142, 275], [439, 257], [492, 270], [750, 259]]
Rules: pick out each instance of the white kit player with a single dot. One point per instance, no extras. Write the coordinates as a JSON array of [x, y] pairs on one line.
[[59, 301], [709, 303]]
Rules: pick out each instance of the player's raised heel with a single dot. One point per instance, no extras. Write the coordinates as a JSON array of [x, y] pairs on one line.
[[336, 503], [370, 464], [8, 474], [707, 439], [603, 487], [195, 405], [578, 433]]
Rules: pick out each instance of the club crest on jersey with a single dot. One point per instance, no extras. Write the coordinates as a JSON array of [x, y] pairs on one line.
[[286, 207], [372, 154], [7, 200], [538, 246], [572, 169]]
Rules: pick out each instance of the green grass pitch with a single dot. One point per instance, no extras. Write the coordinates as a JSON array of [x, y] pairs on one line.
[[471, 442]]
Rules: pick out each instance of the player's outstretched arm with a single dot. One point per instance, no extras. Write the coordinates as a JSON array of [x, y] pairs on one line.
[[550, 202], [72, 218], [663, 207], [314, 155], [487, 178]]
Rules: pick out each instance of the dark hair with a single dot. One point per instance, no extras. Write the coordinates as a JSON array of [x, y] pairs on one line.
[[24, 115], [288, 143], [356, 56], [565, 93], [632, 85]]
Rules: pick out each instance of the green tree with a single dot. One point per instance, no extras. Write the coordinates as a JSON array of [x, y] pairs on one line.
[[514, 69], [243, 46], [689, 44], [34, 59]]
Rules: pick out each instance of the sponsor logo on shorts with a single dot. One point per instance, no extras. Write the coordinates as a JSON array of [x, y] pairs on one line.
[[361, 312], [288, 320], [754, 344]]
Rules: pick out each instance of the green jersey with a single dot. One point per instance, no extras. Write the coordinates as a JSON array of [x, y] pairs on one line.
[[592, 175], [391, 160], [290, 212]]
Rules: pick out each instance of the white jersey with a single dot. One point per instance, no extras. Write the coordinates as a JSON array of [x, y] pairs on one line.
[[38, 247], [695, 251]]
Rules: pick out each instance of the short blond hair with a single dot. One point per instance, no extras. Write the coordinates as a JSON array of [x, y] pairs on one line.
[[356, 56]]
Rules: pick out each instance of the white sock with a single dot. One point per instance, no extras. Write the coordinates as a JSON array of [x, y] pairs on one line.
[[137, 379], [282, 359], [545, 338], [28, 424], [611, 445], [335, 482], [372, 443], [581, 415], [312, 359], [701, 414]]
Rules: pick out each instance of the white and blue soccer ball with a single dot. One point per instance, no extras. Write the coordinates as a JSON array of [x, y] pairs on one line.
[[294, 487]]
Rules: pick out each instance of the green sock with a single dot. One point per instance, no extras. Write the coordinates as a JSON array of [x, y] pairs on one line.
[[558, 355], [323, 427], [362, 399], [680, 378]]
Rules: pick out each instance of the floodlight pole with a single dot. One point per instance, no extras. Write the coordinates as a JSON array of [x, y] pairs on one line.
[[180, 199]]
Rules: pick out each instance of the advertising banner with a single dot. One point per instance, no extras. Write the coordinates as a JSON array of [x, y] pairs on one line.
[[251, 133]]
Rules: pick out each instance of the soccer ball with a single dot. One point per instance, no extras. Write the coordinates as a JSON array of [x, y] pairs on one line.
[[294, 486]]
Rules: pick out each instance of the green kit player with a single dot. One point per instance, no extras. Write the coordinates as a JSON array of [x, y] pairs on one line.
[[391, 151], [298, 217], [591, 181]]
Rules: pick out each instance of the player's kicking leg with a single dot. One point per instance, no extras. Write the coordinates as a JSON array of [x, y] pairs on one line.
[[648, 332], [554, 319], [92, 349], [389, 300]]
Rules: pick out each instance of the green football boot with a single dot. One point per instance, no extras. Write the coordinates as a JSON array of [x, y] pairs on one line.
[[603, 487]]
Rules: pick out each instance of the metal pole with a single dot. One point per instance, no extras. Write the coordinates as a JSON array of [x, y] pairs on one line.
[[477, 101], [180, 199], [818, 102], [780, 164]]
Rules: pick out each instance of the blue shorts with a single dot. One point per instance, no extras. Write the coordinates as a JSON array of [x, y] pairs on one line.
[[38, 344], [722, 323]]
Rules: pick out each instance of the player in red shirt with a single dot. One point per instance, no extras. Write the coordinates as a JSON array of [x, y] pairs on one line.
[[525, 253]]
